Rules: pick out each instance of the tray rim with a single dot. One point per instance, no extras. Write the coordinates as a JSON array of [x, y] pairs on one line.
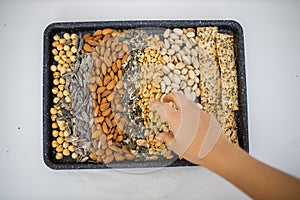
[[92, 25]]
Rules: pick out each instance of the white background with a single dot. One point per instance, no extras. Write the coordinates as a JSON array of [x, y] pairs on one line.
[[272, 45]]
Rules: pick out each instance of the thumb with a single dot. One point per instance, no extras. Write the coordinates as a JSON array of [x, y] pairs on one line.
[[165, 137]]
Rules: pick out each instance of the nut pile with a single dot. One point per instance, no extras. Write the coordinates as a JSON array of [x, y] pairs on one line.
[[180, 53], [103, 82], [218, 85], [107, 130], [63, 51]]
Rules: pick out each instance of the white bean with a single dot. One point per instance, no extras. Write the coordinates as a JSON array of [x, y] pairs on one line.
[[178, 31], [167, 80], [167, 33]]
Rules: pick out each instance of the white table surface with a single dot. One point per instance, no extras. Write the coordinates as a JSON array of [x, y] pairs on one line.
[[272, 43]]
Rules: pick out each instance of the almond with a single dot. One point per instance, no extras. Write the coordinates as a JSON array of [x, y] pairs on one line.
[[100, 152], [114, 148], [120, 73], [129, 156], [114, 67], [95, 55], [96, 111], [108, 43], [118, 48], [107, 52], [111, 85], [119, 63], [125, 48], [121, 54], [93, 157], [102, 139], [100, 90], [106, 37], [119, 157], [103, 69], [119, 108], [104, 106], [112, 46], [110, 136], [106, 80], [108, 122], [106, 93], [96, 134], [105, 128], [100, 119], [107, 31], [87, 48], [92, 87], [98, 63], [119, 138], [110, 96], [108, 152], [97, 33], [85, 36], [108, 159], [102, 50], [99, 81], [106, 112], [95, 144], [107, 61], [124, 59], [92, 42]]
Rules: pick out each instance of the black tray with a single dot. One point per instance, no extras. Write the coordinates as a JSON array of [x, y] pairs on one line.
[[224, 26]]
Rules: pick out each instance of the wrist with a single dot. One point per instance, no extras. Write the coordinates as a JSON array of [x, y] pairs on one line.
[[218, 154]]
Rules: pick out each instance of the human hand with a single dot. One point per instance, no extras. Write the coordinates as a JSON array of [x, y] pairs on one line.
[[194, 132]]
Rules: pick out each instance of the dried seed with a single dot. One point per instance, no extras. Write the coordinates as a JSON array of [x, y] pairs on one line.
[[111, 85], [104, 106], [125, 47], [87, 47], [96, 134], [108, 122], [92, 43], [92, 87], [100, 90], [119, 138], [106, 93], [97, 33], [166, 33], [108, 159], [119, 157], [190, 34], [110, 136], [129, 156], [178, 31], [102, 139], [105, 128], [106, 112], [107, 31]]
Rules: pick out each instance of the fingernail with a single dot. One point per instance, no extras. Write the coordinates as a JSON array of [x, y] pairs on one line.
[[158, 137]]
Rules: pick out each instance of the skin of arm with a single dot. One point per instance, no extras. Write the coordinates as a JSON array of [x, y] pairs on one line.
[[255, 178]]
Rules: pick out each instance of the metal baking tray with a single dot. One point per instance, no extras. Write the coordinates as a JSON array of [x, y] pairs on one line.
[[224, 26]]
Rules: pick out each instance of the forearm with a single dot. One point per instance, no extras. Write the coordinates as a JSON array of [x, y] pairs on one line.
[[255, 178]]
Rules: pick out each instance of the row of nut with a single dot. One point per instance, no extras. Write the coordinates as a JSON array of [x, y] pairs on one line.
[[108, 53], [152, 61], [64, 50]]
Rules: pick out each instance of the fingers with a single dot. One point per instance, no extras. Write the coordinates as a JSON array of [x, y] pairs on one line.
[[165, 137], [172, 97], [164, 110]]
